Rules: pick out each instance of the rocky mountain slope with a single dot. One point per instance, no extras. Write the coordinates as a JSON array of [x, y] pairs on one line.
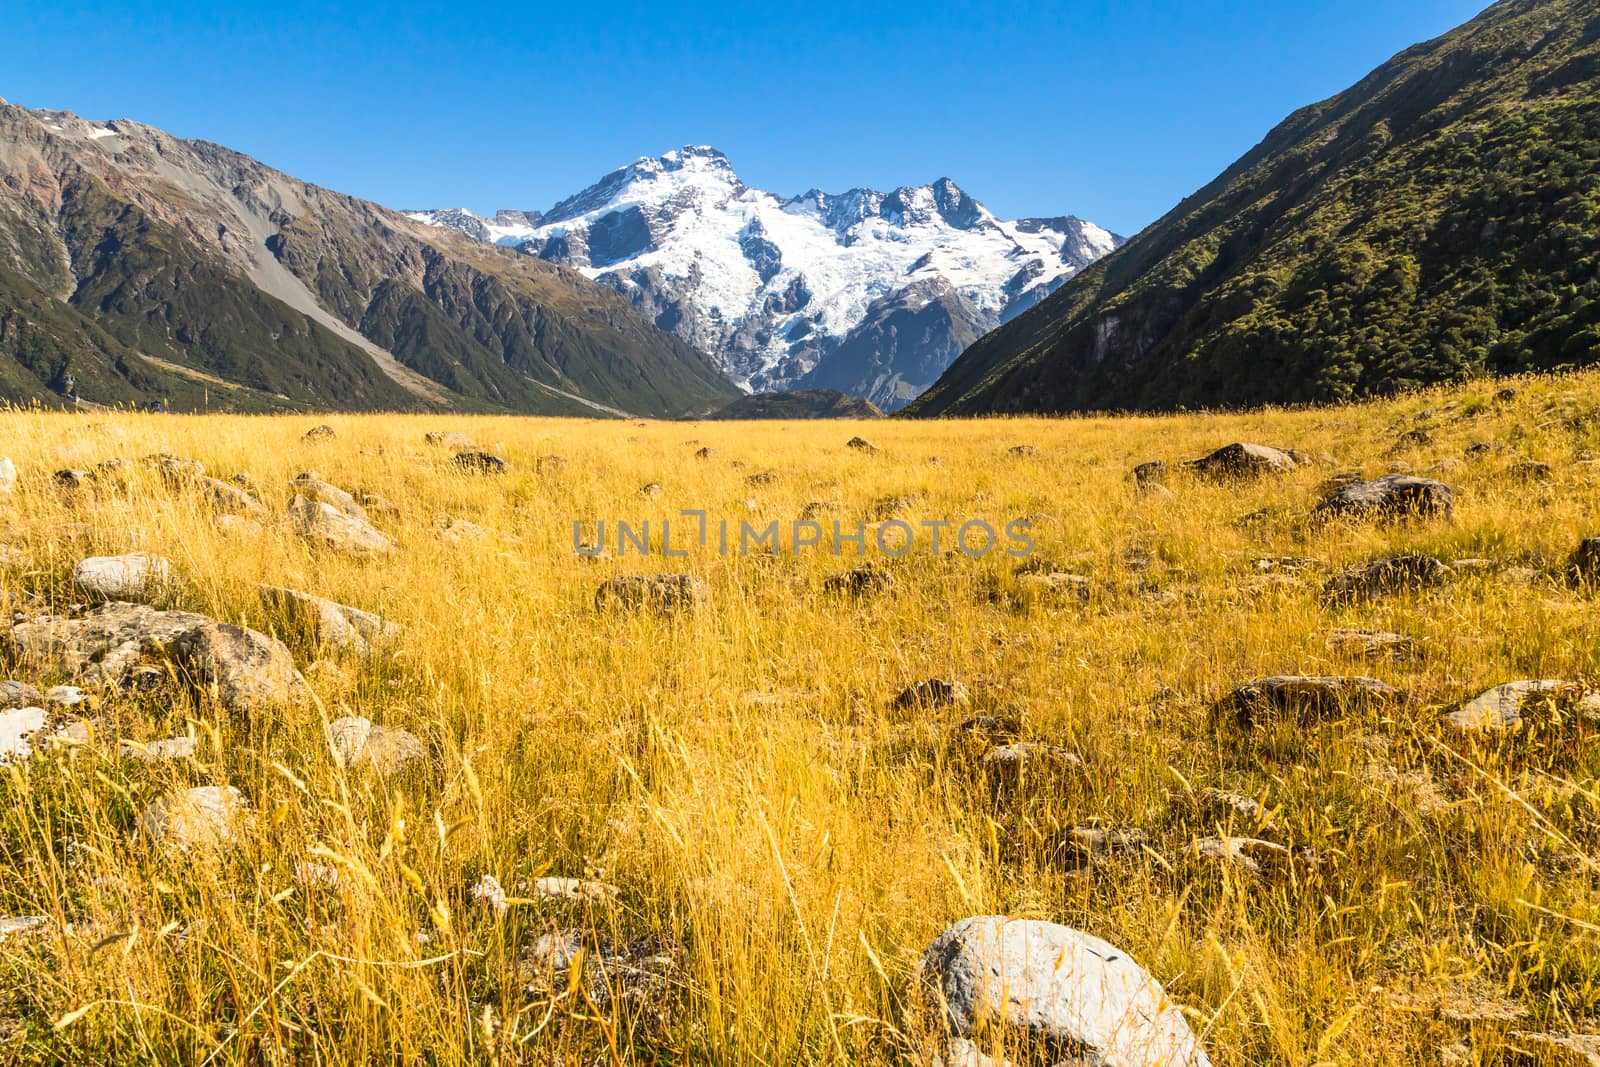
[[136, 267], [1434, 222], [800, 404], [867, 292]]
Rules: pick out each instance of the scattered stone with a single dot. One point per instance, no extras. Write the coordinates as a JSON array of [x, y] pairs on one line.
[[637, 980], [1411, 439], [488, 892], [582, 890], [1023, 451], [171, 748], [376, 504], [175, 466], [889, 507], [71, 478], [245, 669], [932, 693], [1370, 644], [1085, 846], [1575, 1049], [1231, 804], [320, 433], [1529, 471], [1396, 575], [238, 526], [357, 743], [1584, 566], [329, 622], [656, 592], [1394, 496], [1148, 475], [1501, 708], [705, 453], [1063, 994], [1251, 854], [326, 524], [310, 484], [17, 728], [206, 816], [551, 464], [1480, 449], [475, 462], [859, 581], [459, 531], [990, 729], [861, 444], [64, 696], [1057, 586], [1011, 761], [1305, 699], [1242, 461], [15, 694], [131, 577], [8, 476], [1506, 395], [815, 508], [650, 490]]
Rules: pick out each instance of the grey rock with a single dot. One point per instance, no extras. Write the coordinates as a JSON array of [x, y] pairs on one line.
[[657, 592], [1369, 644], [64, 696], [329, 622], [323, 432], [15, 694], [1388, 577], [1057, 991], [1502, 707], [1305, 699], [311, 485], [1242, 460], [932, 693], [8, 476], [476, 462], [205, 817], [1251, 854], [325, 524], [1394, 496], [386, 750], [861, 444], [1146, 475], [18, 726], [162, 751], [131, 577]]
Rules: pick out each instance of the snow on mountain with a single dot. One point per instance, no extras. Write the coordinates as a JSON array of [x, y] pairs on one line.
[[781, 290]]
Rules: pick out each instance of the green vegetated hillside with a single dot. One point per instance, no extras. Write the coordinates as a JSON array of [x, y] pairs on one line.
[[151, 268], [1439, 220]]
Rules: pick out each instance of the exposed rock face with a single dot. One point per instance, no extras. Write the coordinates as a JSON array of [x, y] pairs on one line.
[[325, 524], [337, 625], [1242, 460], [1394, 496], [1056, 992], [131, 577], [245, 669], [658, 592], [1305, 699]]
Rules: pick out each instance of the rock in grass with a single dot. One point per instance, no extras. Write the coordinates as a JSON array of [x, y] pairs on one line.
[[1394, 496], [1369, 644], [551, 464], [1024, 451], [310, 484], [1010, 762], [475, 462], [17, 729], [15, 694], [384, 749], [448, 439], [1086, 846], [22, 925], [654, 592], [165, 750], [859, 581], [323, 432], [1397, 575], [1502, 707], [1057, 993], [1146, 476], [1583, 569], [64, 696], [861, 444], [582, 890], [8, 476], [1242, 461], [132, 577], [1305, 700], [329, 622], [245, 669], [932, 693], [1250, 854], [205, 817], [325, 524]]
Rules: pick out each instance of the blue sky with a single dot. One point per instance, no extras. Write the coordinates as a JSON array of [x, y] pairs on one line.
[[1111, 109]]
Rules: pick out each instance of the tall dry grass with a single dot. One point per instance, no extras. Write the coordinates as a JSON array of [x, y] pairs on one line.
[[740, 772]]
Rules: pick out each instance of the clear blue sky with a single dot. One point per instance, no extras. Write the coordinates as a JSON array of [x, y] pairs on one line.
[[1111, 109]]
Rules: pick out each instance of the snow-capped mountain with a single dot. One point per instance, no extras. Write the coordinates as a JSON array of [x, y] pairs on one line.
[[869, 292]]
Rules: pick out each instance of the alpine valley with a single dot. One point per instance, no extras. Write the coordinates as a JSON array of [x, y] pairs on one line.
[[873, 294]]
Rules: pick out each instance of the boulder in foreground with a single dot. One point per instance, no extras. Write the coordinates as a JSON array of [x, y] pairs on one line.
[[1060, 994]]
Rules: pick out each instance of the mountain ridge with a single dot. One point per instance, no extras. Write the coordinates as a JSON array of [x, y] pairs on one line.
[[790, 292], [1426, 225]]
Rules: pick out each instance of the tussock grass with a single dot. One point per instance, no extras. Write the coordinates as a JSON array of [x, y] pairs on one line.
[[741, 773]]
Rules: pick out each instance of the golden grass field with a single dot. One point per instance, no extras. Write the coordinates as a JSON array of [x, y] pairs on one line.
[[741, 773]]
